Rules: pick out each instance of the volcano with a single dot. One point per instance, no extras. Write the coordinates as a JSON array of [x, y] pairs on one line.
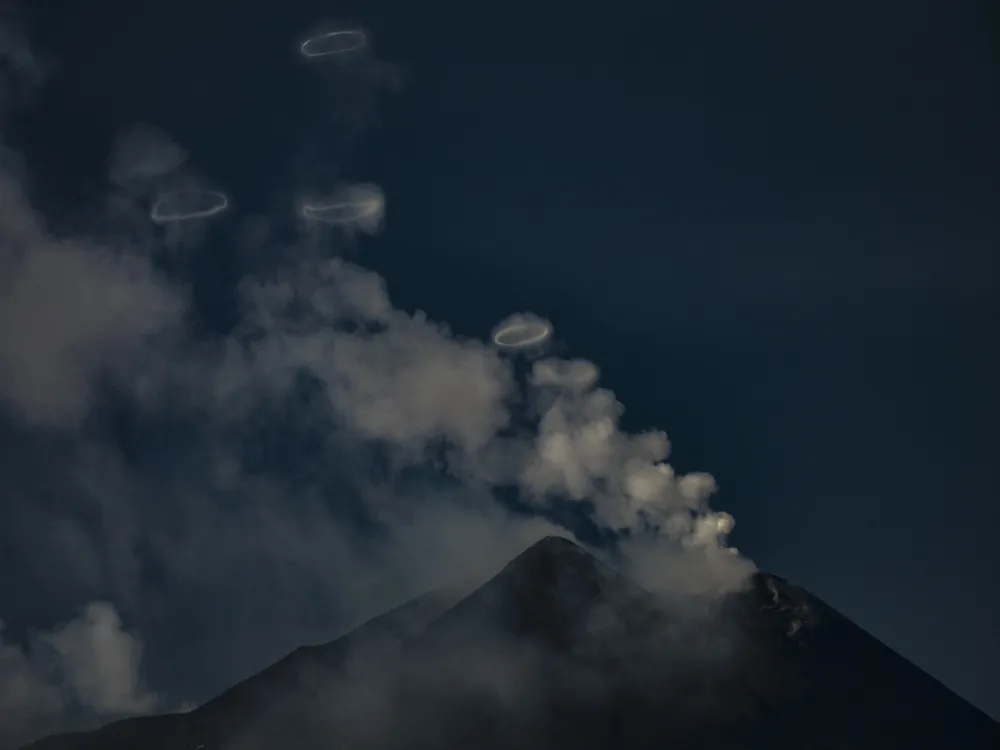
[[560, 651]]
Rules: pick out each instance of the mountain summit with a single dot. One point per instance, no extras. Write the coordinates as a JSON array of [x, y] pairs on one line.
[[559, 650]]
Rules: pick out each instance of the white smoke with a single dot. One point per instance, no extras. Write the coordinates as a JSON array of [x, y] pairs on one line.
[[78, 312], [67, 309], [89, 665]]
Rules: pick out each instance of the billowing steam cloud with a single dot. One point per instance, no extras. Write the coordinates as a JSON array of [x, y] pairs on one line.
[[312, 464], [90, 663], [582, 453], [67, 310]]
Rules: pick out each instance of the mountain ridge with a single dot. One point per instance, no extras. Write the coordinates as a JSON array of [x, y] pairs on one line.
[[558, 648]]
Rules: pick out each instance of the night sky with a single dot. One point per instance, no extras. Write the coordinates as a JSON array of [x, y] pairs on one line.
[[773, 226]]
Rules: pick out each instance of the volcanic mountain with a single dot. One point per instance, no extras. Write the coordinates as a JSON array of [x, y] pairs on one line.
[[559, 651]]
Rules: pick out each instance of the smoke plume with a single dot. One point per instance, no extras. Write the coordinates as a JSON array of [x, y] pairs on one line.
[[232, 490]]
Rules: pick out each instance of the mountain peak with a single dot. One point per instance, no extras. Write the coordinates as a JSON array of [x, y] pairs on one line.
[[556, 562], [554, 545], [550, 591], [554, 559]]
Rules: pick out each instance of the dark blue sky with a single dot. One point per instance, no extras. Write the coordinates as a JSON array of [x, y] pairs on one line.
[[773, 226]]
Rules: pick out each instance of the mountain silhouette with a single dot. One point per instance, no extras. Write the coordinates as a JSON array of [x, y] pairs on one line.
[[560, 651]]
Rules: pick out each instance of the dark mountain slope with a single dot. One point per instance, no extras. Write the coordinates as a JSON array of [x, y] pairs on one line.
[[558, 650], [301, 674]]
